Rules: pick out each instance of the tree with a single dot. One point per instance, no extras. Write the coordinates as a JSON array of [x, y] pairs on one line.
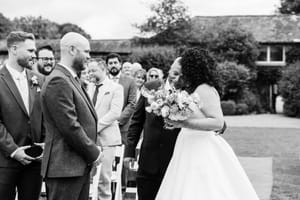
[[170, 23], [5, 26], [69, 27], [289, 7], [41, 28]]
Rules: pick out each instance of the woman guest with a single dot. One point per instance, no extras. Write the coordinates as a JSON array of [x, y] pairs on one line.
[[140, 79], [154, 74]]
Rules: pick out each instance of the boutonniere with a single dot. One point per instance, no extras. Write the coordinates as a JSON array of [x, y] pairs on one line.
[[35, 83]]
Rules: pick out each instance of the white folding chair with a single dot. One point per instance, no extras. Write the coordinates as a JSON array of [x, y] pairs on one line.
[[116, 174], [93, 195]]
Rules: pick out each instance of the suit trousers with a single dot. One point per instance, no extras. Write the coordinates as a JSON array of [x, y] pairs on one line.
[[148, 184], [26, 179], [104, 187], [69, 188]]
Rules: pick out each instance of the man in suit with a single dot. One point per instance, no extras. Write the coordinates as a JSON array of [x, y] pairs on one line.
[[107, 97], [45, 60], [114, 66], [71, 124], [158, 143], [21, 123]]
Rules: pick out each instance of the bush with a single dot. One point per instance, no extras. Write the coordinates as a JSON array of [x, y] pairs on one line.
[[233, 80], [289, 87], [154, 56], [241, 109], [228, 107], [252, 101]]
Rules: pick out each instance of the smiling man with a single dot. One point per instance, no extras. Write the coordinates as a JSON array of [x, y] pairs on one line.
[[46, 60]]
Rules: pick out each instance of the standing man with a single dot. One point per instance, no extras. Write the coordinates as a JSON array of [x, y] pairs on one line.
[[158, 143], [45, 60], [71, 125], [21, 123], [108, 100], [114, 64]]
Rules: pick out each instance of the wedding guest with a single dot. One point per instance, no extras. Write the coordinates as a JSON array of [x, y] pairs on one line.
[[127, 69], [140, 79], [45, 60], [107, 97], [21, 125], [154, 74], [113, 62], [136, 66], [71, 124]]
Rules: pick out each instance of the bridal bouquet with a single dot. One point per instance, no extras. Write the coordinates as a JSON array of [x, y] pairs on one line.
[[173, 105]]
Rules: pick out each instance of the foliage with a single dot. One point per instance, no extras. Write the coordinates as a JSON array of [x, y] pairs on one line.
[[155, 56], [289, 87], [233, 80], [228, 107], [5, 26], [293, 54], [252, 100], [69, 27], [40, 27], [289, 7], [169, 23], [241, 109], [232, 43], [45, 29]]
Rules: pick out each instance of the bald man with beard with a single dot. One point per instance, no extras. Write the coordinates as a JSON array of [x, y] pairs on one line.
[[71, 125]]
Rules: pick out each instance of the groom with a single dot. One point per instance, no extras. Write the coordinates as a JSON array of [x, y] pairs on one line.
[[158, 143]]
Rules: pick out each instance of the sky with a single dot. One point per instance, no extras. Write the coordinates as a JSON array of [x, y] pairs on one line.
[[114, 19]]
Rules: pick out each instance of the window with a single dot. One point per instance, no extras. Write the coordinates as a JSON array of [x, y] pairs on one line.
[[263, 54], [276, 53]]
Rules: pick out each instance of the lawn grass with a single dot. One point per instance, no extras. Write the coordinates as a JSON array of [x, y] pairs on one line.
[[283, 145]]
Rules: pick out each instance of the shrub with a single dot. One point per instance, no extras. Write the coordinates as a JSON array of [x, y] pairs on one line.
[[252, 101], [154, 56], [233, 80], [289, 87], [241, 109], [228, 107]]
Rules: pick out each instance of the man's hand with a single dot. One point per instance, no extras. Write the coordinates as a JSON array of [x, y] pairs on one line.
[[22, 157], [99, 158], [128, 162]]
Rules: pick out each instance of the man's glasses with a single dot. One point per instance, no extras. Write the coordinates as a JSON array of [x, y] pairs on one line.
[[153, 76], [46, 59]]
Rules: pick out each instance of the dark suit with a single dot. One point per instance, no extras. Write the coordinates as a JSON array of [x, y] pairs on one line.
[[156, 149], [129, 89], [71, 128], [18, 128]]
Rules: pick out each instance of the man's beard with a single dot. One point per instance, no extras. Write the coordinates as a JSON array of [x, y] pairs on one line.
[[78, 65], [25, 63], [114, 71], [43, 69]]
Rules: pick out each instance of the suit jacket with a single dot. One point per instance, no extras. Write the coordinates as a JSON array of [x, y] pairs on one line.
[[129, 88], [70, 121], [108, 108], [17, 126], [158, 143]]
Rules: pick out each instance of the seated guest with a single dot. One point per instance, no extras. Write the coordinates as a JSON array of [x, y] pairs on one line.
[[107, 97]]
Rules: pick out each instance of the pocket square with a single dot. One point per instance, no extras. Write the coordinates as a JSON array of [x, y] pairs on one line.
[[106, 93]]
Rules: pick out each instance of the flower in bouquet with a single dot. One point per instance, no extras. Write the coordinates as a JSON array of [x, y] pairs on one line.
[[172, 105]]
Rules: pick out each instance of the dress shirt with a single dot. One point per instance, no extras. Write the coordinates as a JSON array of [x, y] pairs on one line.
[[69, 69], [115, 78], [20, 79]]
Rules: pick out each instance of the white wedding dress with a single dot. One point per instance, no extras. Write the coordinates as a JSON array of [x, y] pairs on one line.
[[204, 167]]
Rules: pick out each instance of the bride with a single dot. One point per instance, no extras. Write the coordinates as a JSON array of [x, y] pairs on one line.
[[203, 165]]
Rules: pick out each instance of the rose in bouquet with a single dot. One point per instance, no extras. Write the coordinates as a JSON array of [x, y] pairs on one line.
[[174, 105]]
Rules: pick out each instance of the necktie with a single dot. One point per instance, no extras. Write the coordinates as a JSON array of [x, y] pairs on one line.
[[96, 93]]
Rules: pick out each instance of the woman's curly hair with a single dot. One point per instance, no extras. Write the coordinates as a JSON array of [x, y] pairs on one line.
[[198, 67]]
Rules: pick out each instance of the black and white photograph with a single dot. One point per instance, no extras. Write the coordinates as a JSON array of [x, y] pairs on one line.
[[150, 100]]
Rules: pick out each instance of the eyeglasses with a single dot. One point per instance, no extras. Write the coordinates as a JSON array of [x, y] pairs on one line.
[[153, 76], [46, 59]]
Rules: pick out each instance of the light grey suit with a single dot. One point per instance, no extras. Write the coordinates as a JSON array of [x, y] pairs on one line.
[[108, 107]]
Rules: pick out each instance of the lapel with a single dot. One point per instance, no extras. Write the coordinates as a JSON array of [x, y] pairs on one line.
[[80, 89], [102, 90], [32, 90], [6, 76]]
